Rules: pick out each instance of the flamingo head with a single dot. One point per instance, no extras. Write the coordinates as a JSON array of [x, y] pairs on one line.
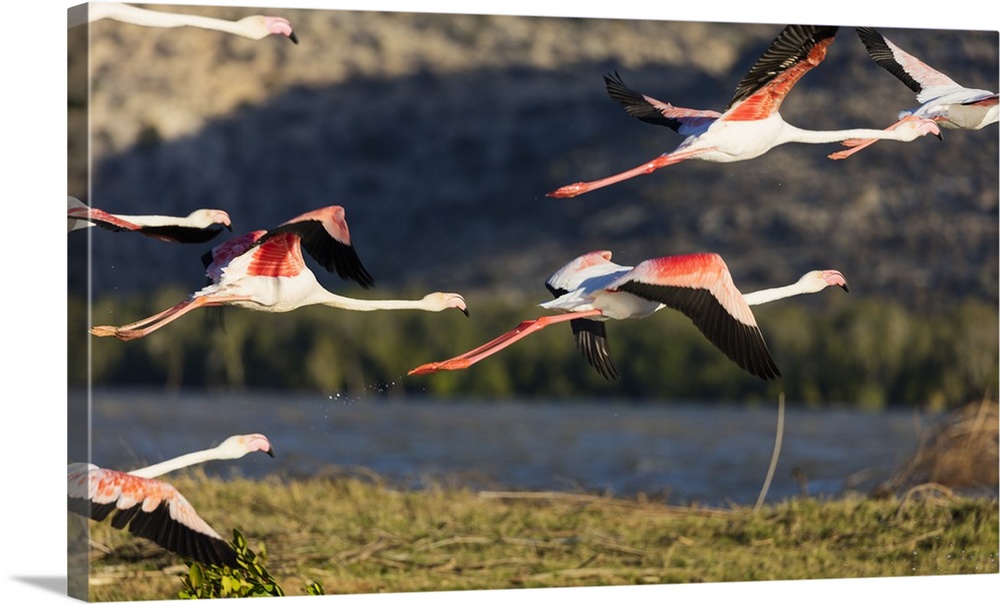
[[206, 217], [815, 281], [439, 301], [241, 444], [261, 26], [915, 127]]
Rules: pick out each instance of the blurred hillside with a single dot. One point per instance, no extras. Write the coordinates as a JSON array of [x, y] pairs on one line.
[[441, 134]]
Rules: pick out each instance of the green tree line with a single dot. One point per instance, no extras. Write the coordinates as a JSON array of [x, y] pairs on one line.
[[869, 352]]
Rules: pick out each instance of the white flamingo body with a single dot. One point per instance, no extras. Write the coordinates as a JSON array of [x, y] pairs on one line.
[[254, 27], [750, 125], [154, 509], [199, 226], [265, 271], [591, 290], [943, 100]]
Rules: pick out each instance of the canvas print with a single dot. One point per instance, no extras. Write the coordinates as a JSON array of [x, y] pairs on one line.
[[389, 302]]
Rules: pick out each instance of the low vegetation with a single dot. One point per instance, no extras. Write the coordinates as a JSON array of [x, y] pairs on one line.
[[357, 533], [355, 536], [868, 352]]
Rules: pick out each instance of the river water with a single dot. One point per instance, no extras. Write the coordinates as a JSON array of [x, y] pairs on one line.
[[710, 454]]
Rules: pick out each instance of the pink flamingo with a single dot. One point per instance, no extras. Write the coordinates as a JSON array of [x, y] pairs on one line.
[[265, 271], [943, 100], [153, 509], [254, 27], [750, 125], [196, 227], [591, 289]]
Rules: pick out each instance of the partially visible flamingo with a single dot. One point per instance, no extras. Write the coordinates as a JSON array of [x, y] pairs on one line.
[[591, 289], [254, 27], [153, 509], [197, 227], [750, 125], [265, 271], [948, 103]]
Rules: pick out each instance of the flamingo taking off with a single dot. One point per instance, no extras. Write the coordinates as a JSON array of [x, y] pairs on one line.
[[197, 227], [592, 289], [943, 100], [750, 125], [254, 27], [265, 271], [153, 509]]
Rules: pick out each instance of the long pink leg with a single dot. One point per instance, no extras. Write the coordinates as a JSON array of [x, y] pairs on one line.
[[497, 344], [664, 160], [143, 327]]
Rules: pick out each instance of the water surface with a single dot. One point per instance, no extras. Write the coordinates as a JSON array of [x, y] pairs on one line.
[[712, 454]]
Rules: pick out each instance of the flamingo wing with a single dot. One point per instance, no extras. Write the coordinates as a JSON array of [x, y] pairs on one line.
[[221, 255], [325, 236], [102, 219], [652, 111], [181, 234], [796, 50], [592, 342], [591, 336], [700, 286], [913, 72], [148, 508]]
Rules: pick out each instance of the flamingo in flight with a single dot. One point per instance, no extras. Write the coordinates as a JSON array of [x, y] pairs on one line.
[[254, 27], [153, 509], [591, 289], [265, 271], [948, 103], [750, 125], [197, 227]]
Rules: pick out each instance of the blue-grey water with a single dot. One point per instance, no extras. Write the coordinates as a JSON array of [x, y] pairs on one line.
[[711, 454]]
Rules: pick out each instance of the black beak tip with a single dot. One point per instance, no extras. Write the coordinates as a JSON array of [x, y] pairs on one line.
[[294, 38], [270, 452], [846, 289]]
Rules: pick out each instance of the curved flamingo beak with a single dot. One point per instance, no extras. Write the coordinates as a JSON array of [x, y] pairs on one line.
[[834, 277], [222, 217], [279, 25], [259, 442]]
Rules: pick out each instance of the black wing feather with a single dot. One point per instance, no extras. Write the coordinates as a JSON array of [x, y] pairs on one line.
[[592, 341], [635, 103], [743, 344], [792, 45], [160, 528], [880, 52], [181, 234], [332, 254]]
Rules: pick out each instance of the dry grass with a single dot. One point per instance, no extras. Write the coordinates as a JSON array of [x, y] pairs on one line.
[[355, 535], [960, 452]]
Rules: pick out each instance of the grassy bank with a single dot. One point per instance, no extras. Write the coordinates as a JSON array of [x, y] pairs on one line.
[[357, 535]]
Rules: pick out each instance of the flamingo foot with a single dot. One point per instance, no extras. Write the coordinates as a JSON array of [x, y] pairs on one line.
[[124, 335], [570, 190], [450, 365], [103, 331]]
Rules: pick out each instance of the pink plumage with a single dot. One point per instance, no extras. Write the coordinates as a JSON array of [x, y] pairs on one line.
[[751, 124], [265, 271], [591, 289]]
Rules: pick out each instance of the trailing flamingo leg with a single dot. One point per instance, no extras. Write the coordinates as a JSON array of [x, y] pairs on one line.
[[497, 344], [662, 161], [138, 329]]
